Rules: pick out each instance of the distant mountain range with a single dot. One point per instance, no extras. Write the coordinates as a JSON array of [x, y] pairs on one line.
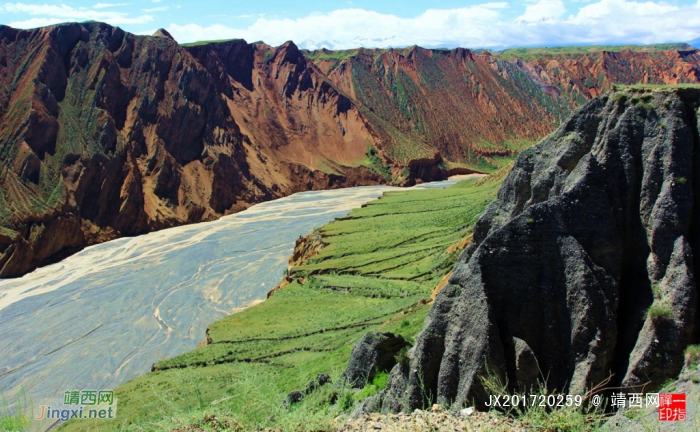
[[105, 134]]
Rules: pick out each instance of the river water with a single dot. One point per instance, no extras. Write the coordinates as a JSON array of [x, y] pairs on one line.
[[106, 314]]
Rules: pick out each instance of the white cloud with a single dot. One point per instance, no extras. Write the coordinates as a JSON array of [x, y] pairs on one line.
[[157, 9], [544, 22], [46, 14], [353, 27], [616, 7], [33, 23], [109, 5], [621, 21], [491, 25], [543, 10]]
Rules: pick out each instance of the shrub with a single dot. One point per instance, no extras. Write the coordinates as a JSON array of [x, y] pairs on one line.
[[17, 418], [346, 402], [376, 163], [621, 97], [402, 356], [692, 357], [378, 384], [660, 312]]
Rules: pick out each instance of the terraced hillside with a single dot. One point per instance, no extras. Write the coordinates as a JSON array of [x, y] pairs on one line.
[[253, 359]]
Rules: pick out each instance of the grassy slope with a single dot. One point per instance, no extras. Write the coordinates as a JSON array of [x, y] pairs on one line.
[[529, 53], [654, 86], [379, 263], [207, 42], [330, 55]]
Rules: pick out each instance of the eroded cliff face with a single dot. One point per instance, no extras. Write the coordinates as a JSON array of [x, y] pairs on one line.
[[501, 101], [584, 266], [579, 77], [105, 134], [422, 92]]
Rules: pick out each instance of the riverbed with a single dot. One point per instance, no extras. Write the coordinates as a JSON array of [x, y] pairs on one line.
[[104, 315]]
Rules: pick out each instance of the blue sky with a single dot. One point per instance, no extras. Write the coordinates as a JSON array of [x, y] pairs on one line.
[[353, 23]]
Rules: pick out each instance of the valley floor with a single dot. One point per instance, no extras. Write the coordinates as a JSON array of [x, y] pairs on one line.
[[376, 271]]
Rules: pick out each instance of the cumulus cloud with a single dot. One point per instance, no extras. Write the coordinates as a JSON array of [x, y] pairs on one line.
[[616, 21], [157, 9], [542, 11], [109, 5], [491, 25], [354, 27], [46, 14]]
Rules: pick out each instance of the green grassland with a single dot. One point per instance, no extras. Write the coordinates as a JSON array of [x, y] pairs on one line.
[[531, 53], [334, 57], [655, 86], [330, 55], [378, 267], [207, 42], [8, 232]]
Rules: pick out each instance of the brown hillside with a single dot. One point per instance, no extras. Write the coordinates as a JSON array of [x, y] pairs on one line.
[[105, 134]]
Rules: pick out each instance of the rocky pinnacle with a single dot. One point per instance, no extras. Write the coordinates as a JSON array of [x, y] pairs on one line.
[[583, 268]]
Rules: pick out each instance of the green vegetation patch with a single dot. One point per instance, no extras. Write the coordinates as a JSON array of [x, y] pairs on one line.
[[8, 232], [655, 86], [375, 163], [660, 312], [531, 53], [692, 357], [207, 42], [579, 415], [334, 57], [380, 264], [330, 55], [19, 417]]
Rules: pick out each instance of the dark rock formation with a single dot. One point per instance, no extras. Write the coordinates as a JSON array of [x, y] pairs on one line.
[[320, 380], [583, 267], [294, 397], [375, 352], [297, 396]]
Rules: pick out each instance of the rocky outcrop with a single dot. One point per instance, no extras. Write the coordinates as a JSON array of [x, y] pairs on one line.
[[375, 352], [426, 168], [584, 267], [298, 395], [305, 248]]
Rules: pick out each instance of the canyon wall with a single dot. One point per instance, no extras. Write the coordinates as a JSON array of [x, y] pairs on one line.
[[106, 134]]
